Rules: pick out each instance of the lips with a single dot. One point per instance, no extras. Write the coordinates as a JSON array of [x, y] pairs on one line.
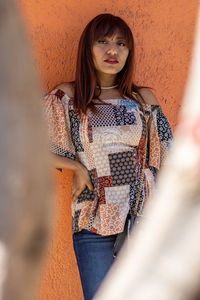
[[111, 60]]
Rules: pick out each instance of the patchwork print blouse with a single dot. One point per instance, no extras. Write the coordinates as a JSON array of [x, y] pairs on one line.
[[110, 144]]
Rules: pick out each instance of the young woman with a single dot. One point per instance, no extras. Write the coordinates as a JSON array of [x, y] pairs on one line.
[[99, 126]]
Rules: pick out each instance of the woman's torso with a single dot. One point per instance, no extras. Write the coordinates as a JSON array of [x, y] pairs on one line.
[[110, 143]]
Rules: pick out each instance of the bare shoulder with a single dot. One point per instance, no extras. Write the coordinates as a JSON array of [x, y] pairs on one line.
[[148, 96], [67, 88]]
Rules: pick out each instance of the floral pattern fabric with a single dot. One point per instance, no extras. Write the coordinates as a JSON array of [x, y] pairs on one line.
[[110, 144]]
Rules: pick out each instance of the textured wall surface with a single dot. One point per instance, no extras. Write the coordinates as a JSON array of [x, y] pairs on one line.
[[163, 31]]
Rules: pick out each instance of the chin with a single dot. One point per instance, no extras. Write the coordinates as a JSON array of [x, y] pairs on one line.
[[114, 72]]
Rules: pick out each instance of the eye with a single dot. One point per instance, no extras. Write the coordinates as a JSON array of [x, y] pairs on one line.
[[122, 44], [102, 41]]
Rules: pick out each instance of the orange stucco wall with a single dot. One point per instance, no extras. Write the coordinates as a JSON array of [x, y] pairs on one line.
[[163, 32]]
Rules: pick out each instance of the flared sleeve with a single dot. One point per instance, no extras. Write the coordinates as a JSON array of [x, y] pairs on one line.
[[160, 136], [56, 107]]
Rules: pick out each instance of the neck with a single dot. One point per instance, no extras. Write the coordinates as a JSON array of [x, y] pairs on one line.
[[106, 79]]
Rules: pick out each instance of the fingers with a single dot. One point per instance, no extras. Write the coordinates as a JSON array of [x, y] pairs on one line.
[[90, 186], [75, 193], [79, 183]]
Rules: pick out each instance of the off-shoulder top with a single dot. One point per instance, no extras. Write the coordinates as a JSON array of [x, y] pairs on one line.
[[110, 144]]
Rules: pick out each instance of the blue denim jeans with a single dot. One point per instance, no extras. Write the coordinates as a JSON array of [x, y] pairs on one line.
[[94, 254]]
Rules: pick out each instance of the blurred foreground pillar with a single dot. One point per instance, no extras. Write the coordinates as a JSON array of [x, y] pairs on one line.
[[163, 258], [25, 204]]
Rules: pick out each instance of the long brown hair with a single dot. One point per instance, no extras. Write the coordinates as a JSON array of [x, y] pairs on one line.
[[85, 77]]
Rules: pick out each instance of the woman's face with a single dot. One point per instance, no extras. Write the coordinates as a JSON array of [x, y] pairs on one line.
[[110, 54]]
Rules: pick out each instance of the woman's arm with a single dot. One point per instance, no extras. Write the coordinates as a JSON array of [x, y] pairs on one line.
[[61, 162], [81, 178], [160, 132], [61, 145]]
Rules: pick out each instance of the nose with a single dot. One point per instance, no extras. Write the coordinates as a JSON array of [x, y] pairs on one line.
[[112, 50]]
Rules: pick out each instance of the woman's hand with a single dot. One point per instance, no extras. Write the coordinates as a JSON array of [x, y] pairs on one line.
[[80, 181], [81, 178]]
